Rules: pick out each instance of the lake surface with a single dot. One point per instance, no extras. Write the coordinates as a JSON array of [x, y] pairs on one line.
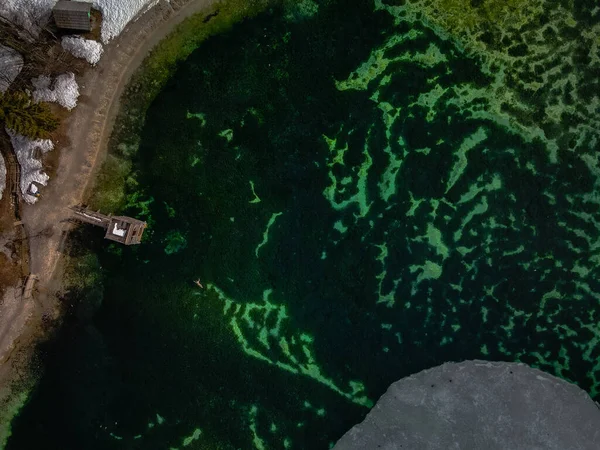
[[358, 208]]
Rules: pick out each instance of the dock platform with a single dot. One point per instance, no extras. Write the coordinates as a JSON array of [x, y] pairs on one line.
[[122, 229]]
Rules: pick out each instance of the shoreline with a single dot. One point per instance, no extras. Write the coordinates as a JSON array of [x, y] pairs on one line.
[[47, 223]]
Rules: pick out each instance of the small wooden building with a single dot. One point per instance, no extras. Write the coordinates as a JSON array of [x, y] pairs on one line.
[[125, 230], [73, 15], [122, 229]]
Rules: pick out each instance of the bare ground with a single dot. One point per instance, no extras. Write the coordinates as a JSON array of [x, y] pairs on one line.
[[47, 222]]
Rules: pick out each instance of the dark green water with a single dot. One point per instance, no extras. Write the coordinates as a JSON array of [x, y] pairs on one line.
[[356, 212]]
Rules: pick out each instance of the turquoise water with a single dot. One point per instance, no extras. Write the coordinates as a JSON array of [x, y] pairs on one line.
[[361, 201]]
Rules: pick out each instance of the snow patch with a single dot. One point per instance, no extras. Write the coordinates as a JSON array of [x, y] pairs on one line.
[[116, 14], [34, 14], [63, 90], [83, 48], [31, 168], [2, 176], [11, 63]]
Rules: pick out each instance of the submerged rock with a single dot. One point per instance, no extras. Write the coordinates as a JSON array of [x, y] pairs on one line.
[[479, 405]]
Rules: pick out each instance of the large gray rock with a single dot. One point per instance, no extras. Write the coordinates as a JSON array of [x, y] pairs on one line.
[[479, 405]]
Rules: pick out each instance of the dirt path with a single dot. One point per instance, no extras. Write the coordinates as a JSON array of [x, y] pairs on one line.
[[88, 129]]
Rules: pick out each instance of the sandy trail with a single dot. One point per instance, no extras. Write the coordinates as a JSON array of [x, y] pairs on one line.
[[46, 223]]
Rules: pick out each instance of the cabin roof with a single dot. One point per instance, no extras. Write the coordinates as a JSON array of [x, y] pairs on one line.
[[64, 5], [73, 15]]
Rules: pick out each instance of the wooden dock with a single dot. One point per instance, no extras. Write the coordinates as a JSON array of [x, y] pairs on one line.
[[122, 229]]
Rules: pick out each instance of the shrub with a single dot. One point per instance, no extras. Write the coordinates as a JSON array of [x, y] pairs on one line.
[[19, 113]]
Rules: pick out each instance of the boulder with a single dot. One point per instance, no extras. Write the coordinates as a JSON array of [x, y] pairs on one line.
[[479, 405]]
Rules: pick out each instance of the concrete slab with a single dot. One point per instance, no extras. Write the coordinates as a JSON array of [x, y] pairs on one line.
[[479, 405]]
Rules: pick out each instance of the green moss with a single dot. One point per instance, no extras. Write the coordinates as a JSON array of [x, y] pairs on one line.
[[83, 272], [10, 407], [109, 189], [459, 16]]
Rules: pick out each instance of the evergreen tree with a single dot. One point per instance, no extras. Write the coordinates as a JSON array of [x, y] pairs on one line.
[[20, 114]]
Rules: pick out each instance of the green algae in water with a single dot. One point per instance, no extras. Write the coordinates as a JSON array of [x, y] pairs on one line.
[[387, 217], [174, 242]]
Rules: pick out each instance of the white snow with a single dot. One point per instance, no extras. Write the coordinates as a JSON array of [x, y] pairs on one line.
[[2, 176], [63, 90], [118, 231], [11, 63], [115, 13], [83, 48], [31, 168], [91, 217]]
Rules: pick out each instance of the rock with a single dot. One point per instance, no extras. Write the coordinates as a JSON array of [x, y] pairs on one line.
[[479, 405]]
